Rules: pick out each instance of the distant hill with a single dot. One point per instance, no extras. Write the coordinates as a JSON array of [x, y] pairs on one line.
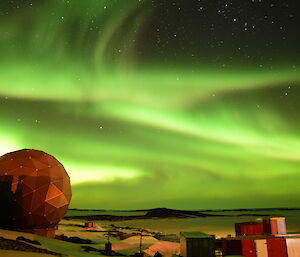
[[160, 213], [150, 214]]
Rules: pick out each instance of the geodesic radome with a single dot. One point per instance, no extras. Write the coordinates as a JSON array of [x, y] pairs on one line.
[[35, 191]]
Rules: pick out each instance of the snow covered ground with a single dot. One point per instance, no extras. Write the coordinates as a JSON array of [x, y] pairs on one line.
[[125, 238]]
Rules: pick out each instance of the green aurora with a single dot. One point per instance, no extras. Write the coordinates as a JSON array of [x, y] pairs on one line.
[[134, 131]]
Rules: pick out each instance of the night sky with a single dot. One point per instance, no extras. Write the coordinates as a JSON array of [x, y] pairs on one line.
[[179, 104]]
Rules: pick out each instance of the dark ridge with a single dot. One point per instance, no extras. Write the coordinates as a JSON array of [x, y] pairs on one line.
[[167, 213], [154, 213], [75, 209], [103, 252], [21, 238], [252, 215], [74, 225], [73, 239], [162, 213], [254, 209], [8, 244], [201, 210], [104, 217], [173, 213], [168, 238]]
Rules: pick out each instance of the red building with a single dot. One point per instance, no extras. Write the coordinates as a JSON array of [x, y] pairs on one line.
[[269, 226], [274, 226], [249, 228], [262, 239], [92, 226], [256, 246]]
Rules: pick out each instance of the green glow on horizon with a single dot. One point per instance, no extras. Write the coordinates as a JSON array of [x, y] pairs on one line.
[[138, 133]]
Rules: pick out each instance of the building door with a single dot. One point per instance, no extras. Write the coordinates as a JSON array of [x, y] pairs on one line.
[[261, 248]]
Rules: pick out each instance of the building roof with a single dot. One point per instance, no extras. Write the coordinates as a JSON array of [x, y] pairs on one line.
[[254, 237], [195, 235], [277, 218], [250, 223]]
